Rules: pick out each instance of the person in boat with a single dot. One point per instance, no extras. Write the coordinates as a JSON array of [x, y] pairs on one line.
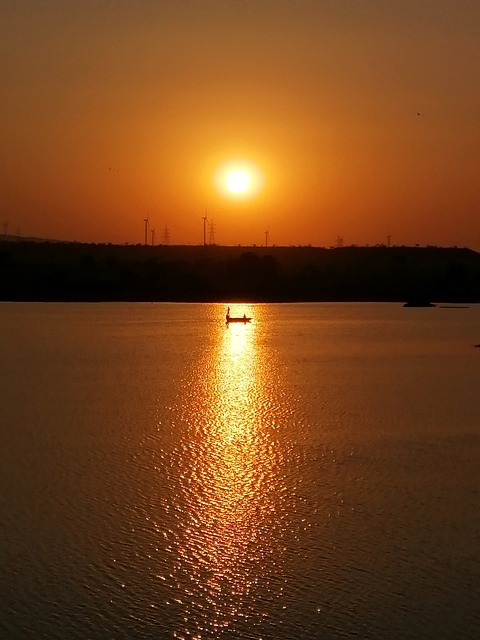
[[227, 317]]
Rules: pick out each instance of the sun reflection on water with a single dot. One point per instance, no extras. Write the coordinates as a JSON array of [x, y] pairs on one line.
[[230, 501]]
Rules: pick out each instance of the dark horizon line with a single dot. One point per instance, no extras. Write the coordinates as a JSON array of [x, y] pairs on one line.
[[40, 240]]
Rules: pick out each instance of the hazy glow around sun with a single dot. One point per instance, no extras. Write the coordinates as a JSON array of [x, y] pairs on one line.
[[238, 179]]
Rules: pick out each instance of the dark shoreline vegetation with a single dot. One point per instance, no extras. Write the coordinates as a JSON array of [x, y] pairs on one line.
[[61, 271]]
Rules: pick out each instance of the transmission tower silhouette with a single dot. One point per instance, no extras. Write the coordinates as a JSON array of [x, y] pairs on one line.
[[211, 233], [166, 236]]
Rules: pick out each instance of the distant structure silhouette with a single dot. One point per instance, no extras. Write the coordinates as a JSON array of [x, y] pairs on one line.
[[267, 234], [145, 220], [339, 242], [204, 218], [5, 229], [388, 240], [211, 233], [166, 236], [152, 231]]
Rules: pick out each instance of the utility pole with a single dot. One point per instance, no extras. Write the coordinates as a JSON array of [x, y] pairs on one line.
[[267, 233], [388, 240]]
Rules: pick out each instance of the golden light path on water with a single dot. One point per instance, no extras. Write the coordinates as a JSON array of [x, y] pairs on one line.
[[231, 499]]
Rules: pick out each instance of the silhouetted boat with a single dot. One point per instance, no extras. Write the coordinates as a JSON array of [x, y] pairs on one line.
[[230, 319], [419, 303]]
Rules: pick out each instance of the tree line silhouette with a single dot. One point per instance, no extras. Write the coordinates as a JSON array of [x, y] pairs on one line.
[[47, 271]]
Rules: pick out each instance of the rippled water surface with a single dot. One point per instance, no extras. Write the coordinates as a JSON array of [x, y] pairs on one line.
[[312, 474]]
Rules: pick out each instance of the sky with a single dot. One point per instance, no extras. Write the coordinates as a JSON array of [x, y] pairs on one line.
[[359, 118]]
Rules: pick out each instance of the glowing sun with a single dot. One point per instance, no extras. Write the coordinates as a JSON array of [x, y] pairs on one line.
[[238, 179]]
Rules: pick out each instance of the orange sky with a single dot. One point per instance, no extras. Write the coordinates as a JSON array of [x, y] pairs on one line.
[[114, 110]]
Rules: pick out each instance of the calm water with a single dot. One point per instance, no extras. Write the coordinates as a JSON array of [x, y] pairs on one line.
[[314, 474]]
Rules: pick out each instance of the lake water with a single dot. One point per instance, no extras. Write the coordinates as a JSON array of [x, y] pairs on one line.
[[314, 474]]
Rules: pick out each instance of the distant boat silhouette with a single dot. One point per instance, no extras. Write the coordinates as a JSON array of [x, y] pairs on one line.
[[229, 318], [240, 319], [419, 303]]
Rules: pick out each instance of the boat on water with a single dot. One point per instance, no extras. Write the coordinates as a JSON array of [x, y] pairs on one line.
[[419, 303], [229, 318]]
